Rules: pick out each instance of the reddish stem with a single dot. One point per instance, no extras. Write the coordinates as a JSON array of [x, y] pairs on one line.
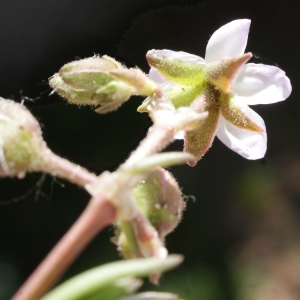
[[97, 215], [158, 137], [58, 166]]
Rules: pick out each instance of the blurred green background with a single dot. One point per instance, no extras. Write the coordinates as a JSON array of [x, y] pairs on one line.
[[240, 232]]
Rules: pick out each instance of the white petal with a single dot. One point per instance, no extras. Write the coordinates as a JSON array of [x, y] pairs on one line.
[[165, 83], [261, 84], [4, 117], [167, 86], [249, 144], [177, 55], [228, 41], [179, 135], [156, 76]]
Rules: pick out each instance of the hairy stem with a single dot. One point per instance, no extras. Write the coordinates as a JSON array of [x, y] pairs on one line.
[[158, 137], [58, 166], [98, 214]]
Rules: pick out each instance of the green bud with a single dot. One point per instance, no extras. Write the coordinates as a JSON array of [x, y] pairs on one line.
[[160, 203], [21, 142], [160, 200], [100, 81]]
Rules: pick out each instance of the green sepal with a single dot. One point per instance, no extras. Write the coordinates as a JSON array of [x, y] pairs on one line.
[[135, 78], [108, 107], [180, 72], [73, 95], [197, 141], [180, 96], [89, 79], [234, 114], [88, 73], [143, 107], [221, 73]]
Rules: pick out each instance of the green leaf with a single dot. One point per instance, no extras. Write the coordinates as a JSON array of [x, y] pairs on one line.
[[118, 289], [164, 159], [94, 281], [152, 296]]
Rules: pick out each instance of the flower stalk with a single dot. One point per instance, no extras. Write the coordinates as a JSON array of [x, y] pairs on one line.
[[58, 166]]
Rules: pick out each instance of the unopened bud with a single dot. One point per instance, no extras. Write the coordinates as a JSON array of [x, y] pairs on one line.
[[21, 141], [22, 148], [160, 200], [100, 81], [160, 204]]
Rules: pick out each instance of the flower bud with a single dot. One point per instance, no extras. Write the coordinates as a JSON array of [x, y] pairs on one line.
[[21, 141], [160, 203], [160, 200], [100, 81]]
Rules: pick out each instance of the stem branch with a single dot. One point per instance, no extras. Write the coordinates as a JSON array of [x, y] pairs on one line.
[[58, 166], [158, 137]]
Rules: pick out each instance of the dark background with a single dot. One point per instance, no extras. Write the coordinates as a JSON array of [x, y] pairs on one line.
[[240, 236]]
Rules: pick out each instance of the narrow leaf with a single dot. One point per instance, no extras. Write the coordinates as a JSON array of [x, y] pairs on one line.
[[152, 296], [93, 280], [165, 159]]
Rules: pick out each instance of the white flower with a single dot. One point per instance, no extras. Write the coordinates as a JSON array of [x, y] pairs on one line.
[[237, 126]]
